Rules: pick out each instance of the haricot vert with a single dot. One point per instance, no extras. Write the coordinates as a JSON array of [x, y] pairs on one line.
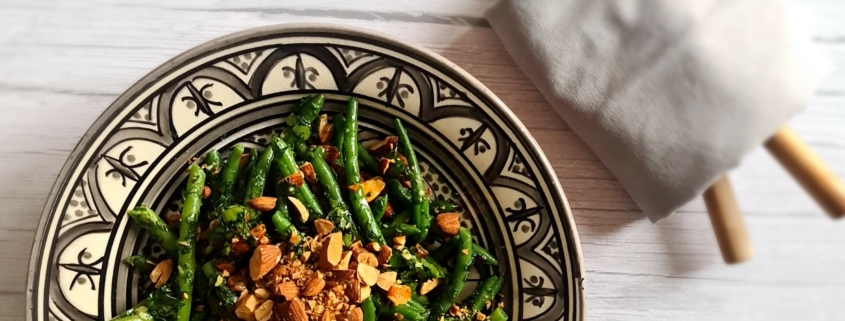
[[316, 226]]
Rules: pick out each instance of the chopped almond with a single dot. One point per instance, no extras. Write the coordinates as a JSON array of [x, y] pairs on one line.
[[384, 146], [372, 188], [206, 192], [265, 311], [331, 154], [449, 223], [296, 311], [258, 231], [288, 290], [323, 226], [294, 179], [384, 165], [399, 294], [245, 307], [308, 171], [384, 255], [399, 241], [373, 247], [356, 314], [313, 287], [386, 280], [344, 260], [262, 293], [263, 203], [263, 260]]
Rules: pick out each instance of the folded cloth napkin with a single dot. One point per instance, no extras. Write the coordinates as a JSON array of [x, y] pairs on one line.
[[669, 94]]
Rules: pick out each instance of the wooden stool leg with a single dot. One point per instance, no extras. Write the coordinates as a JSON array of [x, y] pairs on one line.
[[809, 170], [727, 222]]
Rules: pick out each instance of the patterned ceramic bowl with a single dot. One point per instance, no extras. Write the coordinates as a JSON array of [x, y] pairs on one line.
[[238, 89]]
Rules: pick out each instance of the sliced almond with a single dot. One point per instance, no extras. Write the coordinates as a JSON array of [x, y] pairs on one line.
[[265, 311], [324, 129], [288, 290], [263, 203], [356, 314], [372, 188], [449, 223], [313, 287], [300, 208], [383, 165], [161, 273], [323, 226], [399, 294], [296, 311], [429, 285], [263, 260], [308, 171], [332, 250], [367, 258], [368, 274], [304, 257], [331, 154], [386, 280], [384, 255]]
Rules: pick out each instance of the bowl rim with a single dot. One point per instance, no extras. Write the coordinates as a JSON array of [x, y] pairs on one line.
[[244, 35]]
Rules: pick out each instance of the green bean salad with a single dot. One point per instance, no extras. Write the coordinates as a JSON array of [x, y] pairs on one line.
[[316, 227]]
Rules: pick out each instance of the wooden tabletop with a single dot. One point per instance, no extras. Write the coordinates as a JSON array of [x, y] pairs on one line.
[[63, 62]]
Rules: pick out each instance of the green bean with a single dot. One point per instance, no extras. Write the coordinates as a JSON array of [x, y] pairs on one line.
[[498, 315], [152, 223], [446, 250], [300, 148], [458, 277], [228, 177], [338, 123], [369, 309], [135, 315], [281, 217], [407, 311], [370, 162], [258, 176], [485, 256], [309, 108], [486, 292], [353, 176], [187, 238], [244, 176], [436, 270], [339, 215], [419, 197], [416, 304], [379, 207], [398, 193], [404, 229], [422, 299], [140, 262], [287, 164], [441, 206], [213, 168]]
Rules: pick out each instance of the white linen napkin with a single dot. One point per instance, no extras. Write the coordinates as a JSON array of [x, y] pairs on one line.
[[669, 94]]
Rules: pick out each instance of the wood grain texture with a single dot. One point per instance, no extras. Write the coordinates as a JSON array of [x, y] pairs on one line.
[[62, 63]]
